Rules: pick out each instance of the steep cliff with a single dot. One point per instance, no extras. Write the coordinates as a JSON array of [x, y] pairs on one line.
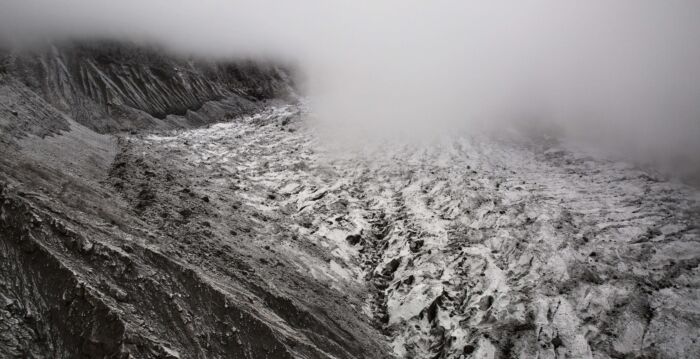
[[110, 86]]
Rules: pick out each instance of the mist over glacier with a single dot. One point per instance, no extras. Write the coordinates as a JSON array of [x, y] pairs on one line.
[[621, 75]]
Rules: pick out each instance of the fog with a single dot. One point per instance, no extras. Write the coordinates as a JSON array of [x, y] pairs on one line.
[[620, 75]]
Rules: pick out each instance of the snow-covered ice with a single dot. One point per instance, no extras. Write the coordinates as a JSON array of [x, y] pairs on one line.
[[473, 246]]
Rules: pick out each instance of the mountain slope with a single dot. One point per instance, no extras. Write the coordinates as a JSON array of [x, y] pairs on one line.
[[110, 86], [84, 273]]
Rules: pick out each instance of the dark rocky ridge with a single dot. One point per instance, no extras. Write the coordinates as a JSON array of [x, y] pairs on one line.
[[111, 86]]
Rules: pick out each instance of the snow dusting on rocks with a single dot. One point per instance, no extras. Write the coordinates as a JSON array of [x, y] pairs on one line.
[[470, 246]]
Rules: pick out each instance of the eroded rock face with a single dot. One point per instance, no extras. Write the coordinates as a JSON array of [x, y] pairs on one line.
[[69, 296], [111, 86]]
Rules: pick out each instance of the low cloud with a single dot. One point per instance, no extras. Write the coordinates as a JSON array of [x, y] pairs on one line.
[[623, 75]]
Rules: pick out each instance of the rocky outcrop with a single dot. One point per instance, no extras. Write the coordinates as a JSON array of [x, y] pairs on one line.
[[65, 295], [109, 86]]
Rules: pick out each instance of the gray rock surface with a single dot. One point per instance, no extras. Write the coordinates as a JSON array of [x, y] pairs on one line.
[[111, 86]]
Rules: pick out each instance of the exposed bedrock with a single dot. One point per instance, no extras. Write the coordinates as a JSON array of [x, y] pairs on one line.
[[110, 86]]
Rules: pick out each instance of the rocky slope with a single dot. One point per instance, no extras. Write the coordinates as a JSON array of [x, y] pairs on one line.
[[110, 86], [85, 273], [254, 238]]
